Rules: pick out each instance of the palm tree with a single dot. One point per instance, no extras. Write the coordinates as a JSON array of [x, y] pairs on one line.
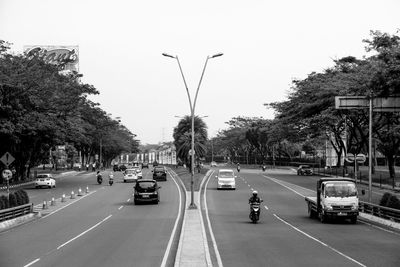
[[182, 138]]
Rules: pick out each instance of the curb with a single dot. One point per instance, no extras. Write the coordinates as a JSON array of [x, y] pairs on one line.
[[6, 225]]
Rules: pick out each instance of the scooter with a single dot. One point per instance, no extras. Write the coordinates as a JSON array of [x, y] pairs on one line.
[[255, 211], [238, 168], [111, 179], [99, 179], [263, 168]]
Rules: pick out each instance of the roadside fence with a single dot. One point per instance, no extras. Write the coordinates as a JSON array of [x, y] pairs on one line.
[[11, 213], [380, 211]]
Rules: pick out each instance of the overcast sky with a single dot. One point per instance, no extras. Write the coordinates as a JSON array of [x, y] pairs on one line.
[[266, 44]]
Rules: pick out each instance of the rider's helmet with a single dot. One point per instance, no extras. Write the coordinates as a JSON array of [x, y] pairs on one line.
[[255, 193]]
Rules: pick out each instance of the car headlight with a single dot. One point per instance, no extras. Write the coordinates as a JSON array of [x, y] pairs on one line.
[[354, 206], [328, 207]]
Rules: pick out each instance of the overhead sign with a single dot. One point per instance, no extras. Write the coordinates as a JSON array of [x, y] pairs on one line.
[[361, 158], [379, 104], [7, 159], [7, 174], [349, 157]]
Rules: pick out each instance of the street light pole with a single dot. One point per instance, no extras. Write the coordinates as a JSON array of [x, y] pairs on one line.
[[192, 109]]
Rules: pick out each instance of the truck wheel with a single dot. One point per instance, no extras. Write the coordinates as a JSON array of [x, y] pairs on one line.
[[353, 219], [310, 211], [322, 218]]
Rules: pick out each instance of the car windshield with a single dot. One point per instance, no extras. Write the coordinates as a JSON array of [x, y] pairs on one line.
[[341, 190], [305, 167], [226, 174], [130, 171], [145, 185], [42, 176], [159, 169]]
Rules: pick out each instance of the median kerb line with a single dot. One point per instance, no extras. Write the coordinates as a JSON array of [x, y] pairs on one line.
[[81, 234], [322, 243], [32, 262]]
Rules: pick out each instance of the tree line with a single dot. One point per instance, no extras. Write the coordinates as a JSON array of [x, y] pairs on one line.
[[308, 118], [40, 109]]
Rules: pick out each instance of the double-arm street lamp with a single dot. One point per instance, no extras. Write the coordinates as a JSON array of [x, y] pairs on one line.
[[192, 109]]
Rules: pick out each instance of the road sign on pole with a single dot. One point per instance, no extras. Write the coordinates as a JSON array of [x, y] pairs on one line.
[[7, 159], [7, 174], [361, 158]]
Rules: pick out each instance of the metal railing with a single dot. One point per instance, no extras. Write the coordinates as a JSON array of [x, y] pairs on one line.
[[11, 213], [380, 211]]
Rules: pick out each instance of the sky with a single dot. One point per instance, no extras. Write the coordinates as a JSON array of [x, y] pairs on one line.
[[265, 45]]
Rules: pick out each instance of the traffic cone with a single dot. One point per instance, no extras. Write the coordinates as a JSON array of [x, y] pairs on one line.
[[79, 192], [72, 195], [87, 189], [63, 198], [53, 202], [45, 207]]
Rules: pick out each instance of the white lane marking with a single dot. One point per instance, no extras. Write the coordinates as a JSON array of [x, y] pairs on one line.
[[120, 207], [380, 228], [276, 181], [168, 250], [57, 210], [32, 262], [81, 234], [209, 226], [266, 207], [322, 243], [128, 200], [205, 242]]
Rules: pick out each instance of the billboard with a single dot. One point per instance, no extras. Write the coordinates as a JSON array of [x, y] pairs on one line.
[[66, 57]]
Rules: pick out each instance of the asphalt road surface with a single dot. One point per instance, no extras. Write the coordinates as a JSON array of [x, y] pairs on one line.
[[285, 236], [104, 228]]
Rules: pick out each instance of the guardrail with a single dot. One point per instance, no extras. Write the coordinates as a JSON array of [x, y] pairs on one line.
[[14, 212], [380, 211]]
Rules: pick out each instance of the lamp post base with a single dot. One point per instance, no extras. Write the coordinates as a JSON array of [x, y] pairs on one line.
[[192, 206]]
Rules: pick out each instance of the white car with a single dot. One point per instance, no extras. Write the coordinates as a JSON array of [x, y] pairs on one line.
[[45, 180], [226, 179], [213, 164], [130, 175], [138, 172]]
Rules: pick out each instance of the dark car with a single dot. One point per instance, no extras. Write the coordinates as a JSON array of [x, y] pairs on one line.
[[145, 165], [159, 173], [155, 163], [122, 167], [146, 190], [116, 168], [304, 170]]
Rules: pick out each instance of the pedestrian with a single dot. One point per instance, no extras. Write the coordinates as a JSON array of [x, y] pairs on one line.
[[93, 167], [87, 167]]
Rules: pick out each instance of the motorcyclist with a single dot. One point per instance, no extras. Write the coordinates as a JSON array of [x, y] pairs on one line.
[[111, 178], [254, 199], [238, 167], [99, 177]]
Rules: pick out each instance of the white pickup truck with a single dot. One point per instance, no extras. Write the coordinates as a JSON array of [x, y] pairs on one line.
[[336, 198]]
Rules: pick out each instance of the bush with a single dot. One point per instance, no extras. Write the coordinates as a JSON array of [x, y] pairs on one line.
[[385, 199], [393, 202], [12, 200], [22, 196], [18, 198], [4, 201]]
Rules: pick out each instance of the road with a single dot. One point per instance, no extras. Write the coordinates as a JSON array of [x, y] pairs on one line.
[[285, 236], [103, 228]]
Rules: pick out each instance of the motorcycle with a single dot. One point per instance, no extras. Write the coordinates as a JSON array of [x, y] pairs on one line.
[[99, 178], [111, 179], [255, 211], [263, 168], [238, 168]]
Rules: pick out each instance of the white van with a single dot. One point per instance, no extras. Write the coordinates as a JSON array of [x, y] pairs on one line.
[[226, 179]]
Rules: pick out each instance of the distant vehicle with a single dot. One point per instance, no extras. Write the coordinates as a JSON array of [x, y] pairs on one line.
[[226, 179], [138, 171], [155, 163], [122, 167], [159, 173], [116, 168], [336, 198], [45, 180], [304, 170], [130, 175], [146, 190], [213, 164], [145, 165]]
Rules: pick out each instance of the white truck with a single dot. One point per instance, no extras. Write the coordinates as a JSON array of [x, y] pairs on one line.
[[336, 198]]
